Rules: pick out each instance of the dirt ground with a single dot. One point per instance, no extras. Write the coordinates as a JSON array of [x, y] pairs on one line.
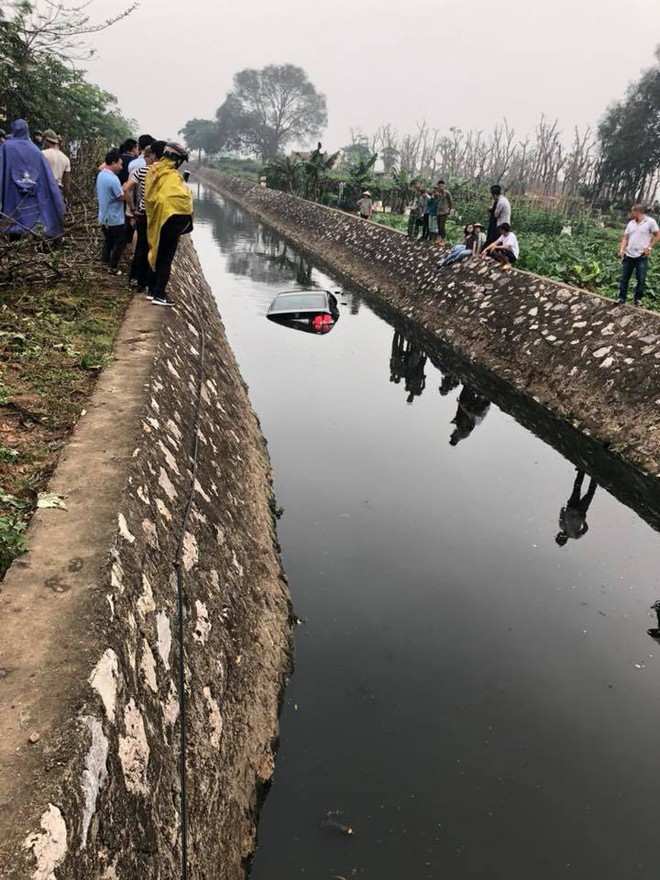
[[57, 591]]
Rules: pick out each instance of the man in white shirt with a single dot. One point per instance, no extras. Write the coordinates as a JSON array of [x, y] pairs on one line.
[[144, 141], [505, 249], [499, 213], [641, 234], [59, 163]]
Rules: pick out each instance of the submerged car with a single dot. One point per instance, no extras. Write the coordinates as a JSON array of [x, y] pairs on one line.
[[312, 311]]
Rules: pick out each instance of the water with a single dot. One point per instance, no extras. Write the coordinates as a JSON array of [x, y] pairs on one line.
[[473, 699]]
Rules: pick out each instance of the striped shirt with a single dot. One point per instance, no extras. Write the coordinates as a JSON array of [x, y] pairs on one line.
[[139, 175]]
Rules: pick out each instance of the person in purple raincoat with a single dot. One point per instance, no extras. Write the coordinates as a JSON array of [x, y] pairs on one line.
[[29, 194]]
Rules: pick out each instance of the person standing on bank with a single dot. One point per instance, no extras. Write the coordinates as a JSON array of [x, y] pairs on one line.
[[111, 200], [365, 205], [499, 213], [169, 208], [60, 163], [134, 191], [414, 219], [445, 204], [641, 234]]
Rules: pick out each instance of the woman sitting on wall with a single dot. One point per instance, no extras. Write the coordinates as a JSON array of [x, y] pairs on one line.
[[469, 248]]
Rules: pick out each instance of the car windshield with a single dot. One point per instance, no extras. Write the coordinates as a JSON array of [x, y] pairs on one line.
[[300, 302]]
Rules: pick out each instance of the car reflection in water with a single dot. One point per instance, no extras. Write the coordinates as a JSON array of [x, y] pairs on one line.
[[312, 311]]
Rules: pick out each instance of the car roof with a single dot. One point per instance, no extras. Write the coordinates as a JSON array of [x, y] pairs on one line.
[[298, 292]]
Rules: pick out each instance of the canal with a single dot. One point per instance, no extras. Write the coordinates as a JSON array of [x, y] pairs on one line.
[[475, 693]]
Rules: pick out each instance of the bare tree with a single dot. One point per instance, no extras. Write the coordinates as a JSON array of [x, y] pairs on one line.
[[52, 27], [539, 165], [385, 142], [579, 163]]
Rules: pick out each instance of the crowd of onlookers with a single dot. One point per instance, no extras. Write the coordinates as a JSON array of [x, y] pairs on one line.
[[144, 204], [430, 208], [143, 201]]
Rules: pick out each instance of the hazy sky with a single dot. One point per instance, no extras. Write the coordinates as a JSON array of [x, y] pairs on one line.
[[463, 64]]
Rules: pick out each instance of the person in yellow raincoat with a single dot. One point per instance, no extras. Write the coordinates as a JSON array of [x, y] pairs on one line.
[[169, 208]]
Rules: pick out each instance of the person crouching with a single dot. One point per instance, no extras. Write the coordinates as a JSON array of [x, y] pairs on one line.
[[505, 248], [168, 205]]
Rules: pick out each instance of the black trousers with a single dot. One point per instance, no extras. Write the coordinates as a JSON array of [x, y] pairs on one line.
[[140, 264], [114, 242], [173, 228]]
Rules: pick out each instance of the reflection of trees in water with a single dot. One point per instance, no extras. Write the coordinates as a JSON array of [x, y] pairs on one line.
[[229, 225], [407, 362], [252, 249], [270, 268]]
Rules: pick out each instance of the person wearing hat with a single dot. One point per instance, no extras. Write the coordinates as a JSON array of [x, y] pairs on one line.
[[365, 205], [169, 209], [59, 163], [481, 236], [29, 194], [38, 139]]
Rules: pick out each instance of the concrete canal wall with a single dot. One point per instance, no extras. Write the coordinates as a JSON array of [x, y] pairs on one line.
[[90, 712], [589, 361]]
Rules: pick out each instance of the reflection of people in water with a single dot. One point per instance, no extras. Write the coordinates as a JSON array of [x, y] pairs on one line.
[[472, 410], [304, 272], [407, 361], [398, 358], [449, 382], [654, 632], [415, 375], [573, 517]]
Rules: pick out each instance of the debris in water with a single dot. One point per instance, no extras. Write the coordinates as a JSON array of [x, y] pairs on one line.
[[331, 824]]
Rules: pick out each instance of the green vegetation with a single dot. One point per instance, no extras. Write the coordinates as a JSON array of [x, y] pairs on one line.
[[53, 342], [629, 136], [12, 527], [265, 111], [39, 43]]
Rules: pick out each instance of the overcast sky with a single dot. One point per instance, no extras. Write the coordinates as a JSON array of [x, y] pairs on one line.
[[456, 64]]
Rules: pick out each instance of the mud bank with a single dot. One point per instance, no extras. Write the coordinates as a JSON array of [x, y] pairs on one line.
[[167, 464], [589, 361]]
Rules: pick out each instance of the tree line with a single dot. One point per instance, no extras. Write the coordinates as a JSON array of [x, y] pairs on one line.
[[41, 43], [268, 110]]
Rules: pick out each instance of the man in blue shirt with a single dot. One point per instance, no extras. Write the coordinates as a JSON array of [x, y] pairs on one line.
[[111, 198]]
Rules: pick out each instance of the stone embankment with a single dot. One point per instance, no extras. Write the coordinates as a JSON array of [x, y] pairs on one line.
[[167, 464], [589, 361]]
